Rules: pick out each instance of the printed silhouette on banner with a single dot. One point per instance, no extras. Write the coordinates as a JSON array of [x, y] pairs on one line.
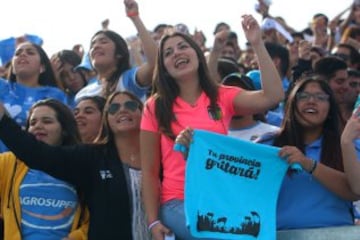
[[248, 225]]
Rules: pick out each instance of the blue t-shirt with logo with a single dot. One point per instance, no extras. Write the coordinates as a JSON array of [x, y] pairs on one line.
[[48, 207]]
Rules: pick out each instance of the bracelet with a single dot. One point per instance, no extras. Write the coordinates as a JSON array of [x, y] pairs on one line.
[[313, 166], [151, 225], [180, 148], [132, 14]]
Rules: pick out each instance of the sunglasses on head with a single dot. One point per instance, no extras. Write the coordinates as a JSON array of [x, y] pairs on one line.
[[342, 56], [128, 105]]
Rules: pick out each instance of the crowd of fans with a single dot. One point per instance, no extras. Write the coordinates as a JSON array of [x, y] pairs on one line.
[[88, 136]]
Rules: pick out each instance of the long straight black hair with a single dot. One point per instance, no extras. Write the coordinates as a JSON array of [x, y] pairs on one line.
[[291, 132], [123, 60]]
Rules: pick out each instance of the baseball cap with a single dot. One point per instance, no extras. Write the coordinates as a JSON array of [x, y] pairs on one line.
[[85, 63], [180, 27]]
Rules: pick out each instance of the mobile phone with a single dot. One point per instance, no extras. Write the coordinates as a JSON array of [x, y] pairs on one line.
[[356, 107]]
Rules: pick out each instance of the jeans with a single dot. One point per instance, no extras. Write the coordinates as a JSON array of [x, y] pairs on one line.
[[172, 215]]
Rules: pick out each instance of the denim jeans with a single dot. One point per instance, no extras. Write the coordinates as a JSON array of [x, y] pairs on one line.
[[172, 215]]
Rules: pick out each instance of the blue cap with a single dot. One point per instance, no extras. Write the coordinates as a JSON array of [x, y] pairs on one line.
[[85, 63], [255, 77]]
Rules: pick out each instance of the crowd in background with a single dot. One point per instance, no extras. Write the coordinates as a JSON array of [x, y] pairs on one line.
[[87, 136]]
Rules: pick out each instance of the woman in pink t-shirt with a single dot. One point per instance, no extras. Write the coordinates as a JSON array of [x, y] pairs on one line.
[[185, 95]]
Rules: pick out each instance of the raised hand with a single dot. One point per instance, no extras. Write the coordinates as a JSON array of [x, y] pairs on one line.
[[105, 24], [262, 8], [131, 7], [220, 40], [251, 29], [352, 127], [57, 66]]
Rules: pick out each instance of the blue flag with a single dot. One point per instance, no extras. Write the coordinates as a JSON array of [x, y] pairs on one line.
[[231, 187]]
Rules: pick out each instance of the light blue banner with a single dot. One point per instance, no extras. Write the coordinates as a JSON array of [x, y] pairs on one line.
[[231, 187]]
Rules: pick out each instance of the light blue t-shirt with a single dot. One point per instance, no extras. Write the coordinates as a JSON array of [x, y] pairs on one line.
[[48, 207], [19, 98], [231, 187], [275, 117], [306, 203], [127, 82]]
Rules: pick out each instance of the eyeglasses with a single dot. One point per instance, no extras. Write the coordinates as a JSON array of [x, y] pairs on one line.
[[354, 84], [128, 105], [318, 97]]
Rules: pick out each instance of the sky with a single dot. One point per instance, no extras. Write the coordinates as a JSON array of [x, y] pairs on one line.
[[62, 24]]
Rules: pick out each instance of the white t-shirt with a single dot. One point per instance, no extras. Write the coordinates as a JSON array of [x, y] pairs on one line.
[[127, 82], [253, 132]]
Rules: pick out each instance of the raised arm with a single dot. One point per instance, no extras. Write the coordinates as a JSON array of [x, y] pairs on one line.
[[349, 153], [347, 20], [250, 102], [144, 74], [304, 63], [71, 164], [219, 44]]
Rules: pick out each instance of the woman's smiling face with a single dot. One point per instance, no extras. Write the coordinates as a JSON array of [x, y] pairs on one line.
[[179, 58]]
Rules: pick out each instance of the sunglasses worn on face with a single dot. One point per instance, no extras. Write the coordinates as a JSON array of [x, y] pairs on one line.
[[128, 105], [318, 97]]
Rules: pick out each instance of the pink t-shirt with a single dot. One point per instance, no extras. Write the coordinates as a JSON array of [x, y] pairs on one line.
[[196, 117]]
